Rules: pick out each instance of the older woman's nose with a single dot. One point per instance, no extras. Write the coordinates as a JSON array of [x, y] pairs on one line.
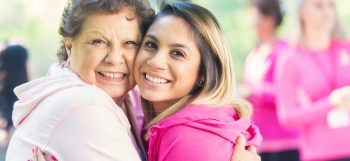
[[115, 55]]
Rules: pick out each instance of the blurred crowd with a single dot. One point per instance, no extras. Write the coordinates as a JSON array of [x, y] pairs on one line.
[[13, 72], [299, 85]]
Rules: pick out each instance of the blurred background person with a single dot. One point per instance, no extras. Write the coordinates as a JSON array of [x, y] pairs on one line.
[[13, 72], [3, 44], [259, 85], [313, 82]]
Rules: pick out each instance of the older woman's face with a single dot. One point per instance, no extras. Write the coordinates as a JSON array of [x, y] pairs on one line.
[[104, 51]]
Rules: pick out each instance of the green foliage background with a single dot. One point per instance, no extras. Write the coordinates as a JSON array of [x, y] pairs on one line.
[[34, 23]]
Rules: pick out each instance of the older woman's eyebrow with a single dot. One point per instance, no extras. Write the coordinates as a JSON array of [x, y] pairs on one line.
[[98, 33]]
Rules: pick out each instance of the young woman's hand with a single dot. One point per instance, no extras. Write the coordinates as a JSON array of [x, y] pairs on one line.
[[39, 155], [240, 153]]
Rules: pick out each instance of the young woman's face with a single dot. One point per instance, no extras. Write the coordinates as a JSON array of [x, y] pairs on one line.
[[104, 51], [318, 15], [167, 64]]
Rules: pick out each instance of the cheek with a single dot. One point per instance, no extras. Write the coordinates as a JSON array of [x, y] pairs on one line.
[[92, 60], [188, 74], [86, 62], [140, 60], [137, 65], [130, 60], [88, 57]]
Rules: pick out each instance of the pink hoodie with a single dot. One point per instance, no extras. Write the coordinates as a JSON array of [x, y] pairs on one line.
[[199, 133], [263, 89], [305, 80], [71, 120]]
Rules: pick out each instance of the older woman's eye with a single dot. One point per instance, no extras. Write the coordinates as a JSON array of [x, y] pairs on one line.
[[131, 44], [98, 42]]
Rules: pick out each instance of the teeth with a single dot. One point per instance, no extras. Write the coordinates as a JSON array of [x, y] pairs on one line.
[[156, 80], [112, 75]]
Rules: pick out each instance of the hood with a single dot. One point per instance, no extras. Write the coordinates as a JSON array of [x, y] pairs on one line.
[[222, 121], [32, 93]]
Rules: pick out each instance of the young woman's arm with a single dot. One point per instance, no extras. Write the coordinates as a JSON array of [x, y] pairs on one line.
[[187, 143]]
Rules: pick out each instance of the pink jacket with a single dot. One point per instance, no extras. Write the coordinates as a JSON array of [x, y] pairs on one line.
[[305, 80], [71, 120], [199, 133], [263, 94]]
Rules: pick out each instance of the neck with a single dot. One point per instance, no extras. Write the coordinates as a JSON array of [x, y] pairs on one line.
[[267, 39], [119, 101], [267, 35], [159, 107], [316, 40]]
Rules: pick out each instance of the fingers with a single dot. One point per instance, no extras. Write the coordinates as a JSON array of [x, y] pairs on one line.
[[35, 158], [40, 155], [252, 149], [53, 158], [240, 143], [242, 154], [254, 152]]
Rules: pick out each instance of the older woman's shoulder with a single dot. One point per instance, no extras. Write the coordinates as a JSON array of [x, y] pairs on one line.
[[82, 95]]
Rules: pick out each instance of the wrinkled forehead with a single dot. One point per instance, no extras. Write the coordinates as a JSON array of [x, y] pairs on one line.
[[123, 22]]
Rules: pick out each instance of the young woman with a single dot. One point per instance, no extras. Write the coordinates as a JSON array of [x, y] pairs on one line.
[[259, 83], [185, 75], [313, 83]]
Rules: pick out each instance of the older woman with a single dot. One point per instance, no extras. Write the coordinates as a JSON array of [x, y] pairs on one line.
[[77, 112]]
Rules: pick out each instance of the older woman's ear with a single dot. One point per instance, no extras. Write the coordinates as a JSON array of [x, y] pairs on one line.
[[68, 45]]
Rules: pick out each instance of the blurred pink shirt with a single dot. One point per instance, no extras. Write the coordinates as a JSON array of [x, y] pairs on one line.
[[200, 133], [305, 80], [259, 76]]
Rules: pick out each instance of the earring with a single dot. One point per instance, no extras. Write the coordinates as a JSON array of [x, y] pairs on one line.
[[67, 62], [200, 83]]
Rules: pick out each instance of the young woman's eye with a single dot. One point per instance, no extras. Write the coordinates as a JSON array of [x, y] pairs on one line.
[[177, 53], [150, 45]]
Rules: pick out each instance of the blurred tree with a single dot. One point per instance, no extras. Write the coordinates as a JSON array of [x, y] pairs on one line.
[[35, 24]]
